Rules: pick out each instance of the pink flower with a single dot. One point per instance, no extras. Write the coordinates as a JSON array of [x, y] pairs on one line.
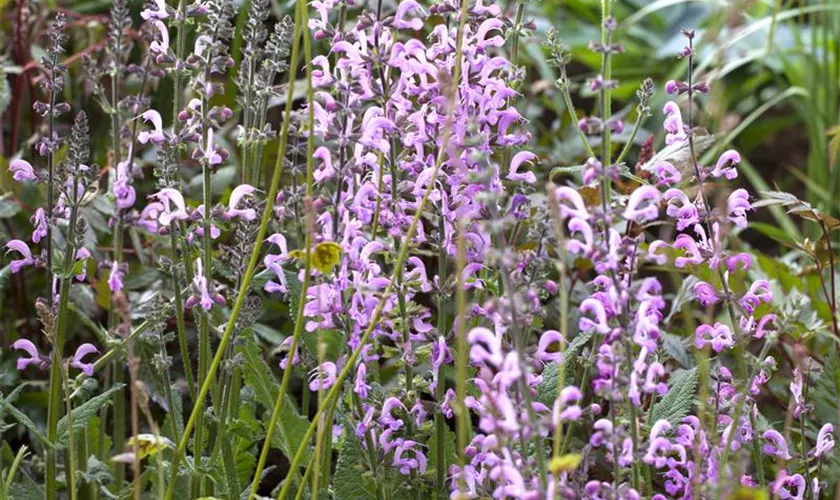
[[169, 197], [719, 337], [155, 136], [81, 352], [322, 377], [642, 206], [21, 248], [517, 160], [825, 441], [160, 13], [236, 196], [404, 8], [34, 357], [160, 47], [724, 166], [673, 124], [548, 339], [22, 171], [737, 206], [39, 219]]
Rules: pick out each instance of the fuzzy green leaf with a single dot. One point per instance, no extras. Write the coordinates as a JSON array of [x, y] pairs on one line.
[[353, 480], [6, 406], [677, 403], [291, 426], [83, 413], [547, 390]]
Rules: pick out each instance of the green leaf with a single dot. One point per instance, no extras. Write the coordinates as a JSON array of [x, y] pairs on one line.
[[9, 207], [675, 347], [83, 413], [291, 426], [826, 389], [547, 390], [352, 479], [677, 403], [5, 405]]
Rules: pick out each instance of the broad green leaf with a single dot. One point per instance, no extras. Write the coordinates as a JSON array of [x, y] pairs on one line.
[[83, 413], [291, 426], [678, 401], [352, 479], [675, 347], [547, 390], [5, 405]]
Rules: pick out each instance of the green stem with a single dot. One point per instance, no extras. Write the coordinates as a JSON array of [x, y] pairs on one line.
[[626, 149], [440, 424], [249, 273], [179, 314], [58, 350], [299, 320]]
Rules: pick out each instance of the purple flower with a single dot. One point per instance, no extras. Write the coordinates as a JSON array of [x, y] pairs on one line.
[[737, 206], [325, 170], [159, 13], [23, 249], [642, 206], [776, 445], [404, 8], [667, 174], [159, 47], [322, 377], [705, 294], [81, 352], [201, 293], [825, 441], [386, 419], [724, 166], [788, 487], [595, 308], [564, 410], [692, 251], [39, 220], [360, 386], [796, 391], [719, 337], [155, 136], [169, 197], [548, 339], [82, 254], [123, 190], [34, 357], [406, 464], [659, 447], [673, 124], [578, 208], [681, 208], [22, 171], [115, 281], [236, 196], [517, 160], [485, 346]]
